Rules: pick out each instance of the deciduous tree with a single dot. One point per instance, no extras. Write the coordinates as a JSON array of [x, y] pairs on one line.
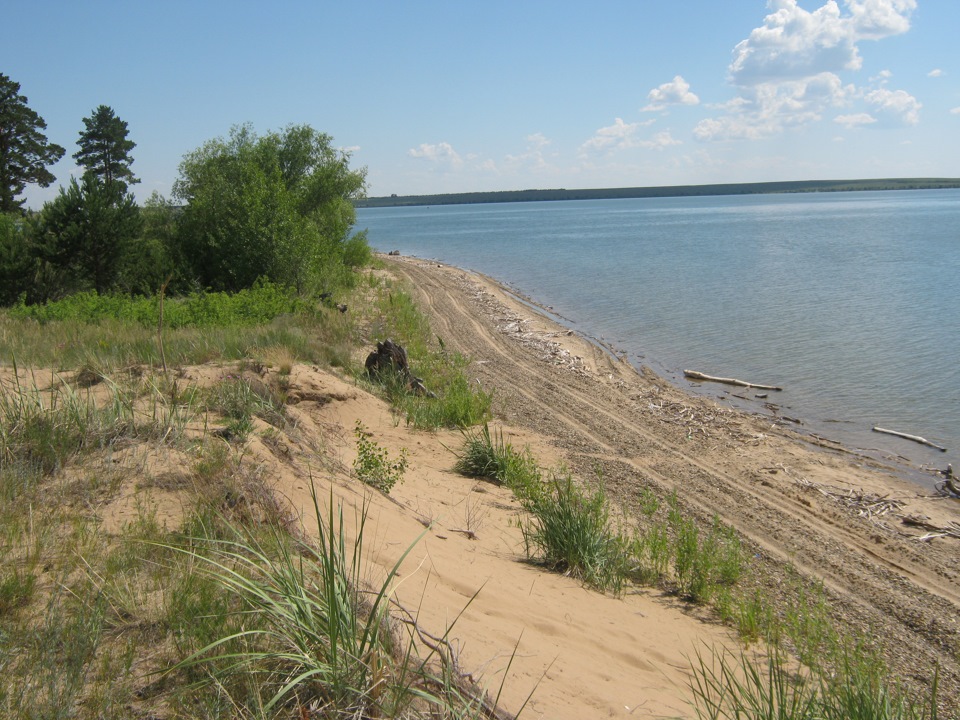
[[277, 206], [25, 151]]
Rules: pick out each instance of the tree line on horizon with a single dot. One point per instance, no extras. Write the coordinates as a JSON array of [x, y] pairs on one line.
[[544, 195], [277, 207]]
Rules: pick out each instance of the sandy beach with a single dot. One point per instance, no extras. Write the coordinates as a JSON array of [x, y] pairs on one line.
[[803, 511], [803, 508]]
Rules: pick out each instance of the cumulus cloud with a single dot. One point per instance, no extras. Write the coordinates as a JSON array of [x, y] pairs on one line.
[[768, 108], [936, 72], [787, 71], [624, 136], [439, 153], [897, 104], [955, 111], [855, 120], [675, 92], [619, 135]]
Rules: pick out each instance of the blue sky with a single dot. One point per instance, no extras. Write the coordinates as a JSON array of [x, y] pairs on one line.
[[450, 96]]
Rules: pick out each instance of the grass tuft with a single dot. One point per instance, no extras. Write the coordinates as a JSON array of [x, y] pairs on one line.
[[570, 532], [488, 456]]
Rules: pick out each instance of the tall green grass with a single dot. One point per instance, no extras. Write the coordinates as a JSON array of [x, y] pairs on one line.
[[488, 456], [742, 687], [570, 531], [308, 635]]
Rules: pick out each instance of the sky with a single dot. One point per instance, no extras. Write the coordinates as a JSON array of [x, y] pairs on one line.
[[446, 96]]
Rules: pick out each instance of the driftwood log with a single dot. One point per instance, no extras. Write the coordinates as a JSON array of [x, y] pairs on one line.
[[905, 436], [391, 357], [694, 375]]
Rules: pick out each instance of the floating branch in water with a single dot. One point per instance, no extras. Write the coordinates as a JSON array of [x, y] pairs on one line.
[[693, 374], [905, 436]]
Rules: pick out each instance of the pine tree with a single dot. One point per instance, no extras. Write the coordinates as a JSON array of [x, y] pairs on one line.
[[87, 230], [104, 148], [25, 151]]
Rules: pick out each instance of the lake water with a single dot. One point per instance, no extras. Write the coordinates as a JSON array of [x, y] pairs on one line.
[[850, 301]]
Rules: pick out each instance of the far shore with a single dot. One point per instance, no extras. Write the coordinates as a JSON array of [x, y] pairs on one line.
[[758, 188]]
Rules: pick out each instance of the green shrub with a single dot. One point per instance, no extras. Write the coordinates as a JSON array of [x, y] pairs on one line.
[[253, 306], [703, 563], [373, 465]]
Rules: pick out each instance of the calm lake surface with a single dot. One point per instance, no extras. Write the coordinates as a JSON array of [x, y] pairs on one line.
[[850, 301]]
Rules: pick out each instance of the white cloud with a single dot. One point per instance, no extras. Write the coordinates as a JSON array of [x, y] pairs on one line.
[[660, 141], [935, 73], [855, 120], [787, 71], [532, 156], [877, 19], [675, 92], [439, 153], [623, 136], [795, 43], [768, 108], [955, 111], [897, 104], [617, 136]]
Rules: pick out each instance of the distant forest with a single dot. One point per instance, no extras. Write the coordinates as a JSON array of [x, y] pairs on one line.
[[800, 186]]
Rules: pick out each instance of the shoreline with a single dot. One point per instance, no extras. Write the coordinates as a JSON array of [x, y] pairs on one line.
[[925, 475], [803, 510]]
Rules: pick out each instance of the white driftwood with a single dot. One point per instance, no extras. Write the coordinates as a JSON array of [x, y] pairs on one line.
[[905, 436], [693, 374]]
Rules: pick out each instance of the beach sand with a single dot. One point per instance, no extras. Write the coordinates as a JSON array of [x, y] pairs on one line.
[[803, 512]]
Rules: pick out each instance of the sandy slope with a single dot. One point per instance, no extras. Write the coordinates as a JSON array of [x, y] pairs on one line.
[[585, 654]]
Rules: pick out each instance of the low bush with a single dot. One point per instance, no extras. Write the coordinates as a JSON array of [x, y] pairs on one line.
[[373, 465], [254, 306]]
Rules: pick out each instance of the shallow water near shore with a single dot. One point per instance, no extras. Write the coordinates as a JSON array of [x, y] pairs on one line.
[[850, 301]]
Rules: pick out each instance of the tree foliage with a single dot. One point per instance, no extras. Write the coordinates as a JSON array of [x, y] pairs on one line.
[[86, 232], [15, 258], [277, 206], [104, 148], [25, 151]]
